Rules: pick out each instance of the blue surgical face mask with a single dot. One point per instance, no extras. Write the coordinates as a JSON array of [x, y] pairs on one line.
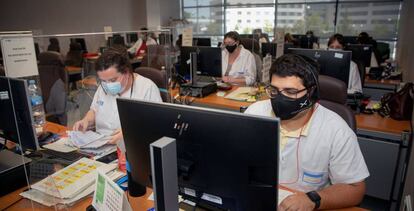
[[112, 88]]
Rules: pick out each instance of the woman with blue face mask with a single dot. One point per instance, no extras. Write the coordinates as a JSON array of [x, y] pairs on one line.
[[337, 43], [116, 80]]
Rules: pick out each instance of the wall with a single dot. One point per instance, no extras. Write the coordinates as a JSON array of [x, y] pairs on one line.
[[405, 49], [72, 16], [160, 11]]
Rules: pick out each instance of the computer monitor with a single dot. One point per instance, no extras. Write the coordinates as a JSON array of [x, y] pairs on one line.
[[286, 46], [208, 59], [269, 48], [229, 155], [165, 39], [16, 122], [82, 42], [116, 39], [361, 53], [305, 41], [350, 40], [131, 37], [332, 63], [202, 42]]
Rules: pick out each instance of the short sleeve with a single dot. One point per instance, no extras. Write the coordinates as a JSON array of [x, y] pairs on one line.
[[95, 99], [250, 75], [347, 163], [153, 93]]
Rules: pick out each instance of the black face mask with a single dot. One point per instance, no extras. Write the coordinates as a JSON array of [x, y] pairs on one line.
[[231, 48], [286, 108]]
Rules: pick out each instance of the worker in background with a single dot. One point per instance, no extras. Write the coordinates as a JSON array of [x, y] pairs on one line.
[[336, 42], [238, 64], [139, 49]]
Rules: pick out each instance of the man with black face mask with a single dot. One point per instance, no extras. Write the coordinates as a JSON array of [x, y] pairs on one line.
[[238, 64], [319, 153]]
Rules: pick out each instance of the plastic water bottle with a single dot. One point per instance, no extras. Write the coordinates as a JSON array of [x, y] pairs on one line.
[[37, 106]]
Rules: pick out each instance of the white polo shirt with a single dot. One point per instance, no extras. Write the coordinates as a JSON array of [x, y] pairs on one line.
[[328, 152], [106, 109], [243, 66]]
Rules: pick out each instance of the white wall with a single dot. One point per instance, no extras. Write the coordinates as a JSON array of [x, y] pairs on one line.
[[405, 48], [72, 16]]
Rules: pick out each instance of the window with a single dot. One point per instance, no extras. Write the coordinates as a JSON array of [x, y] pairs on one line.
[[324, 17]]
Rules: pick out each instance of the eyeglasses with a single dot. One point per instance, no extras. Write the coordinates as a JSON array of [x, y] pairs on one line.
[[272, 91]]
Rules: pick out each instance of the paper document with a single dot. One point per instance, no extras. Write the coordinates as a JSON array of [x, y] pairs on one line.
[[48, 200], [80, 139], [243, 94], [73, 179], [60, 146]]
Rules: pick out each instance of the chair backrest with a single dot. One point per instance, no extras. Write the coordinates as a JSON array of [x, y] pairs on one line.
[[332, 89], [383, 50], [51, 73], [158, 77], [156, 56], [51, 68], [361, 69], [251, 44], [342, 110]]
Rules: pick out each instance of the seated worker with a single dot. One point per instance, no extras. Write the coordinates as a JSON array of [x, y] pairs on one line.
[[319, 153], [140, 46], [336, 42], [364, 38], [238, 64], [116, 80]]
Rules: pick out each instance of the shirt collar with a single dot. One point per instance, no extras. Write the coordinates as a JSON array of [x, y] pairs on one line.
[[297, 133]]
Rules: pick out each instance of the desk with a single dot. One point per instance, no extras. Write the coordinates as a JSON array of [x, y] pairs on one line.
[[71, 70], [377, 88], [137, 203]]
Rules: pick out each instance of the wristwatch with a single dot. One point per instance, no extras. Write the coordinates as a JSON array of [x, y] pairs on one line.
[[314, 196]]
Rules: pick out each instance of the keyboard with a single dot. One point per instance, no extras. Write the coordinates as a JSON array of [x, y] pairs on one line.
[[70, 156]]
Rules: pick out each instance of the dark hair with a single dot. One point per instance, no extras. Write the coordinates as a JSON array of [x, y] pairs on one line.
[[113, 58], [337, 37], [309, 32], [363, 38], [302, 67], [233, 35]]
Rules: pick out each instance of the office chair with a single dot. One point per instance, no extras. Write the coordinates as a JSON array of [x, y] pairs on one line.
[[251, 44], [333, 96], [383, 50], [332, 89], [158, 77], [156, 57], [53, 82]]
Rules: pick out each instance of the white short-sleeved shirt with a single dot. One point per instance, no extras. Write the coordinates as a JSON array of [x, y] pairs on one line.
[[138, 43], [243, 66], [328, 154], [354, 81], [106, 109]]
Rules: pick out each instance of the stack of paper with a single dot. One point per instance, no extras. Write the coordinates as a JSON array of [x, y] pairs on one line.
[[70, 184], [243, 94], [88, 139]]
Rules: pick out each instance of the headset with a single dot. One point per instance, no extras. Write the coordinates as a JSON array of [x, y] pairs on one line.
[[312, 66]]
